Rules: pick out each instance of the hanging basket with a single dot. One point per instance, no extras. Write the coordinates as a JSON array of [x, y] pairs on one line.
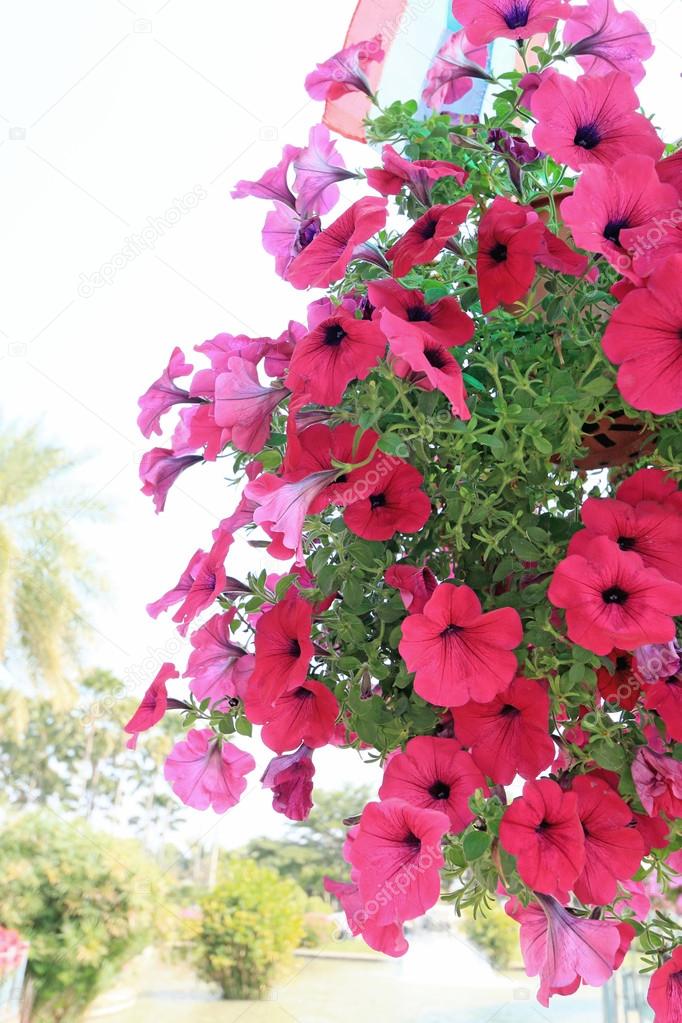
[[615, 439]]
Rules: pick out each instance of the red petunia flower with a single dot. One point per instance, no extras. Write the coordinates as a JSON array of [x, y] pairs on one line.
[[508, 245], [397, 855], [386, 498], [416, 585], [152, 705], [509, 735], [665, 697], [651, 485], [337, 350], [620, 687], [612, 599], [291, 780], [643, 338], [306, 714], [444, 321], [665, 989], [649, 529], [542, 829], [435, 774], [485, 20], [283, 647], [613, 848], [591, 120], [419, 175], [428, 235], [603, 39], [456, 652], [325, 259]]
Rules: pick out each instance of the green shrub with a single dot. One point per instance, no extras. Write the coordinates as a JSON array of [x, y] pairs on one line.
[[250, 924], [318, 930], [495, 934], [85, 901]]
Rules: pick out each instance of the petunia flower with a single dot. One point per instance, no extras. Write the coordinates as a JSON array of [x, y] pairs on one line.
[[386, 938], [283, 647], [159, 469], [612, 599], [458, 653], [418, 175], [428, 235], [658, 781], [204, 771], [345, 71], [542, 829], [613, 848], [592, 120], [213, 661], [416, 585], [318, 170], [397, 856], [670, 170], [444, 320], [620, 687], [451, 73], [286, 234], [564, 949], [649, 529], [153, 704], [197, 430], [290, 778], [530, 83], [510, 734], [273, 184], [665, 989], [486, 20], [244, 406], [163, 394], [386, 498], [603, 39], [306, 714], [643, 339], [655, 661], [325, 258], [651, 485], [435, 774], [509, 242], [665, 697], [610, 204]]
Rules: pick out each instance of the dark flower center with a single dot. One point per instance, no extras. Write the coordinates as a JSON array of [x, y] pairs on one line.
[[308, 230], [439, 790], [294, 648], [412, 840], [508, 711], [428, 229], [622, 664], [542, 826], [451, 630], [517, 14], [626, 543], [377, 500], [612, 230], [498, 253], [614, 595], [436, 357], [334, 335], [417, 314], [587, 136]]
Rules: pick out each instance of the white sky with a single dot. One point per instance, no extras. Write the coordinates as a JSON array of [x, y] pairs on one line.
[[110, 113]]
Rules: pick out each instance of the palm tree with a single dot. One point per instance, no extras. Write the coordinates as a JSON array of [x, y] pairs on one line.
[[44, 573]]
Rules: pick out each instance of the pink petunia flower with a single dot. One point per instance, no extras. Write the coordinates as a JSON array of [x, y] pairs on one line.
[[418, 175], [416, 585], [453, 69], [286, 234], [244, 406], [318, 170], [428, 235], [345, 71], [530, 83], [306, 714], [651, 485], [613, 848], [386, 498], [153, 704], [485, 20], [273, 184], [197, 430], [386, 938], [458, 653], [665, 989], [444, 320], [603, 39], [163, 394], [159, 469], [665, 697], [435, 774], [204, 771], [510, 734], [612, 599], [283, 647], [592, 120], [291, 780], [214, 659], [658, 781], [643, 339], [509, 242]]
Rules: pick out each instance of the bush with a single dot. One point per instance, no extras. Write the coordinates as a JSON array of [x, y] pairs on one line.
[[250, 925], [85, 901], [495, 934]]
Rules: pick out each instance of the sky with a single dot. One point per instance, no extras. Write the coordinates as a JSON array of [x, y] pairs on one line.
[[123, 127]]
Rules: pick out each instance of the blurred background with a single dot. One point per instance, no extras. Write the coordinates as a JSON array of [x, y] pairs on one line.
[[123, 127]]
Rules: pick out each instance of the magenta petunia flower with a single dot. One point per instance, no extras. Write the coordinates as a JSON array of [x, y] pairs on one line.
[[163, 394], [530, 83], [306, 714], [564, 949], [197, 430], [345, 71], [283, 647], [613, 600], [613, 848], [386, 938], [415, 584], [643, 339], [654, 661], [665, 697], [485, 20], [444, 321], [604, 40], [509, 243], [658, 781], [592, 120], [159, 470], [397, 856], [458, 653], [204, 771], [214, 659], [290, 778], [325, 258], [418, 175], [286, 234], [435, 774], [453, 69], [510, 734], [665, 989], [386, 498], [318, 170], [153, 704], [273, 184], [542, 829], [428, 235], [244, 406], [651, 485]]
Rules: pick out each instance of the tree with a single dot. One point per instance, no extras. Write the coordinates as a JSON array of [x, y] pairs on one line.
[[44, 573]]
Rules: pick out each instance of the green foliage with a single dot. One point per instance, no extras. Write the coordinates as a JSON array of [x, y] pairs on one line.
[[495, 934], [250, 925], [85, 901]]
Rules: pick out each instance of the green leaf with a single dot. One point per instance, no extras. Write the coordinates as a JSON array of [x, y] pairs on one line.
[[475, 844]]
